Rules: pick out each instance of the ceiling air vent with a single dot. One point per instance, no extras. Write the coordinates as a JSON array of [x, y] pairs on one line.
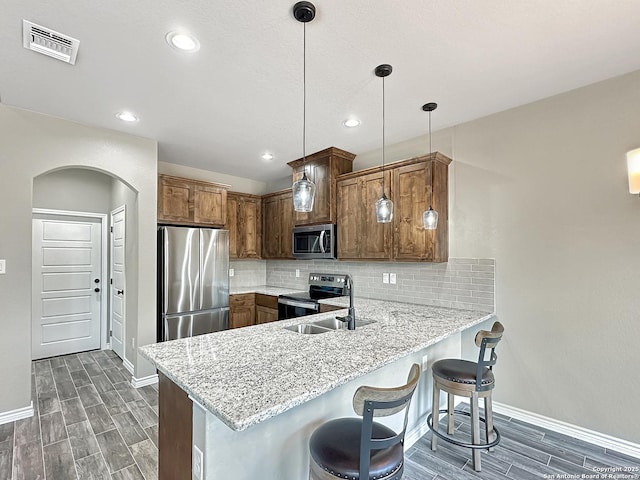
[[49, 42]]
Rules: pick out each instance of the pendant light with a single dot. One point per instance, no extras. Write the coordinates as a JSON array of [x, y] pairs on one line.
[[430, 217], [304, 190], [384, 206]]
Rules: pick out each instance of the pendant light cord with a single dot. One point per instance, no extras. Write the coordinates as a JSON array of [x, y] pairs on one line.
[[304, 99], [383, 122], [431, 160]]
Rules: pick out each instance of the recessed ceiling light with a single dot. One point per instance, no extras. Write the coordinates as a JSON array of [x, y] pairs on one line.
[[351, 122], [127, 117], [183, 41], [267, 156]]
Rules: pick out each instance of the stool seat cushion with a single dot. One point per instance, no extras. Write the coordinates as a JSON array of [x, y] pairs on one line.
[[461, 371], [335, 447]]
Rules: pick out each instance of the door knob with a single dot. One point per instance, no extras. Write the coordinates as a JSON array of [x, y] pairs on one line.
[[119, 292], [97, 280], [96, 289]]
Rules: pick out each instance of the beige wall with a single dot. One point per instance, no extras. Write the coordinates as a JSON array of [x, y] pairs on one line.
[[30, 145], [74, 189], [543, 190], [236, 184]]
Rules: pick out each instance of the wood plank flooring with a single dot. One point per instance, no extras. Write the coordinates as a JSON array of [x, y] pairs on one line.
[[525, 452], [89, 424]]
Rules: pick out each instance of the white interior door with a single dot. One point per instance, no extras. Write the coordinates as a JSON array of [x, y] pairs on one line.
[[66, 281], [117, 281]]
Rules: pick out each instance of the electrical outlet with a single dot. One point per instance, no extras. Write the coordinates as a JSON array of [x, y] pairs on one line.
[[392, 278], [232, 272], [133, 342], [425, 363], [385, 278], [297, 273], [197, 463], [3, 266]]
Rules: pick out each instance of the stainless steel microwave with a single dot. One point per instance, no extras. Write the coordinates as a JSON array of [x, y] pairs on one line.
[[315, 241]]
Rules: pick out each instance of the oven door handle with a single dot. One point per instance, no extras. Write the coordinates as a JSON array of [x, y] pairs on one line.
[[296, 303], [323, 234]]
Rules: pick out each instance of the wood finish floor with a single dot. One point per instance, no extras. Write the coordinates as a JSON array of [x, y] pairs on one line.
[[525, 452], [89, 424]]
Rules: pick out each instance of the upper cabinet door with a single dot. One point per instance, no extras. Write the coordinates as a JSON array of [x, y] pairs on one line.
[[322, 168], [210, 204], [183, 201], [411, 189], [175, 200]]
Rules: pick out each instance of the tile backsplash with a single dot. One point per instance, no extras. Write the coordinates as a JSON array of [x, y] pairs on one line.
[[460, 283]]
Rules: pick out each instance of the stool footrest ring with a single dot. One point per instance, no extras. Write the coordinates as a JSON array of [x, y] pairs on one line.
[[449, 439]]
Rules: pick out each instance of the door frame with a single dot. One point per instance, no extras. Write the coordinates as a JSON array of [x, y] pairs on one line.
[[104, 334]]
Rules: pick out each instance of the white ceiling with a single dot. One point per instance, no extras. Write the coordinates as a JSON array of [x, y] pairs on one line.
[[241, 94]]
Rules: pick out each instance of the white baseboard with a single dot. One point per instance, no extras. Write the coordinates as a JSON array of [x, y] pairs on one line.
[[415, 434], [558, 426], [129, 366], [581, 433], [144, 381], [17, 414]]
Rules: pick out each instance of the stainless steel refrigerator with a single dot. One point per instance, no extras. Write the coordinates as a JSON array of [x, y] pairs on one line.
[[193, 281]]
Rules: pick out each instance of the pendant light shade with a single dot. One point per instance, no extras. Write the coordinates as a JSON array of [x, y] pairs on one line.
[[384, 209], [384, 206], [430, 217], [304, 190]]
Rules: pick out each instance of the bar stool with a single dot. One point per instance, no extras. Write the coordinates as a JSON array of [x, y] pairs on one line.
[[467, 379], [361, 449]]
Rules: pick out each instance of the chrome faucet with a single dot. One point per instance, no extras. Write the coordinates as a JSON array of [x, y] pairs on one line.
[[350, 318]]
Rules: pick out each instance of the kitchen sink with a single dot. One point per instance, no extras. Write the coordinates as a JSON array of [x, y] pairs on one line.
[[307, 328], [326, 325]]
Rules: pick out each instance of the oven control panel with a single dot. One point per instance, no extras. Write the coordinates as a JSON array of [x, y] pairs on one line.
[[327, 279]]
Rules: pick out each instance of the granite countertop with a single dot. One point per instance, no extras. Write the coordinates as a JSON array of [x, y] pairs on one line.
[[263, 289], [247, 375]]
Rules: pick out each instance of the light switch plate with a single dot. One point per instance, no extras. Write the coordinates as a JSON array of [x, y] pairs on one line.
[[385, 278], [232, 272], [297, 273], [392, 278], [3, 266]]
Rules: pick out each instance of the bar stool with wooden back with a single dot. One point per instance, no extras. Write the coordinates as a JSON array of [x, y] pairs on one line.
[[467, 379], [361, 449]]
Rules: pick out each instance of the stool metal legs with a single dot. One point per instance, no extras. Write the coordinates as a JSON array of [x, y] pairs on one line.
[[435, 418], [475, 430]]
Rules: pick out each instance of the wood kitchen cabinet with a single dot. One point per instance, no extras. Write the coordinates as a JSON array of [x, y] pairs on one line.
[[404, 239], [266, 308], [183, 201], [242, 310], [244, 222], [277, 225], [322, 168], [359, 235]]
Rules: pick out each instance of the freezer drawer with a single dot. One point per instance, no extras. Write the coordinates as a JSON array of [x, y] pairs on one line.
[[190, 325]]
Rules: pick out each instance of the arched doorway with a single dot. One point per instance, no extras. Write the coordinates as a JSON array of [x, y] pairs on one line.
[[74, 302]]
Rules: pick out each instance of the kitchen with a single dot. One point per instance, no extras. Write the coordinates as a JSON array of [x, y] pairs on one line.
[[553, 281]]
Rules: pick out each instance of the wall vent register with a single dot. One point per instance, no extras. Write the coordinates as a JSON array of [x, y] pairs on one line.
[[49, 42]]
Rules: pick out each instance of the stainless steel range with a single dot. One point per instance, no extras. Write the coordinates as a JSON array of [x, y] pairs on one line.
[[321, 286]]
